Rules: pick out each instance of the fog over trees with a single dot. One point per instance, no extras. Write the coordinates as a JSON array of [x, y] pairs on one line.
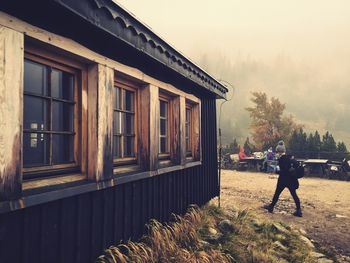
[[318, 99]]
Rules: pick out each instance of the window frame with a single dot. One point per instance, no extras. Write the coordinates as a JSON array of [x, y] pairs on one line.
[[133, 87], [189, 151], [78, 70], [167, 99]]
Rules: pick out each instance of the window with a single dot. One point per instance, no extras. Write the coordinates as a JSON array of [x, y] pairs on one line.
[[164, 138], [49, 116], [188, 133], [124, 124]]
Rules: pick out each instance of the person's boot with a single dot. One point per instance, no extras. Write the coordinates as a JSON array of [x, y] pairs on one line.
[[269, 208], [298, 213]]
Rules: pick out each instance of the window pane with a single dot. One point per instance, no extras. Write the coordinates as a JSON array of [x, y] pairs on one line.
[[117, 147], [129, 100], [62, 116], [129, 125], [119, 122], [117, 98], [188, 148], [62, 85], [163, 109], [35, 113], [188, 112], [36, 149], [62, 148], [163, 127], [35, 78], [128, 146], [163, 145]]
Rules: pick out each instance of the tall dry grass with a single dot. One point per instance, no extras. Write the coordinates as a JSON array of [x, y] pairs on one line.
[[197, 237], [175, 242]]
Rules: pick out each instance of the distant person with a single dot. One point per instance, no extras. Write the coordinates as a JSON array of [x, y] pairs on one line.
[[242, 154], [270, 154], [345, 165], [286, 179]]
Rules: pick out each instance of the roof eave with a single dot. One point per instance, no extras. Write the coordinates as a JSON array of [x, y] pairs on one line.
[[119, 23]]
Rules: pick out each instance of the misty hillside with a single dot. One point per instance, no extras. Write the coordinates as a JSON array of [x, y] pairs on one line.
[[317, 96]]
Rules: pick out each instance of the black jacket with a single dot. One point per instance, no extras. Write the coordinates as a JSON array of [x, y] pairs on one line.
[[286, 178]]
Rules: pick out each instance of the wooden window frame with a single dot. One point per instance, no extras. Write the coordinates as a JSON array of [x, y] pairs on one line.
[[190, 135], [167, 99], [56, 61], [133, 87]]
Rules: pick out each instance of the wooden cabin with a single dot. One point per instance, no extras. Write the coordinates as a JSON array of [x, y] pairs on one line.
[[103, 126]]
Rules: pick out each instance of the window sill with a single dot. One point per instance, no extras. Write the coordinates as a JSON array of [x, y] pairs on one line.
[[41, 191], [35, 185], [139, 174], [189, 159], [164, 163], [126, 169]]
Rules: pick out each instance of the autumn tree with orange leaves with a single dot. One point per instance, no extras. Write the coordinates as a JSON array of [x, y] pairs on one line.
[[269, 124]]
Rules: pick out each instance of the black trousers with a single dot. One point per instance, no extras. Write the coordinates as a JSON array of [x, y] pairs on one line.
[[281, 184]]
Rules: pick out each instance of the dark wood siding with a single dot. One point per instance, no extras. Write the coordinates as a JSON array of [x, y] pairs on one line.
[[78, 228]]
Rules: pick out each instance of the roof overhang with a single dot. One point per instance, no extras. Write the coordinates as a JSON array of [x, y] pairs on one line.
[[120, 36], [110, 17]]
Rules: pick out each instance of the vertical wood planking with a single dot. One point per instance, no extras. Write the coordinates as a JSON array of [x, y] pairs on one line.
[[196, 145], [137, 209], [149, 197], [145, 214], [105, 122], [11, 230], [84, 229], [31, 234], [100, 124], [108, 218], [11, 113], [68, 230], [92, 121], [96, 225], [176, 123], [127, 211], [118, 213], [148, 137], [182, 113], [156, 197], [215, 162], [50, 227]]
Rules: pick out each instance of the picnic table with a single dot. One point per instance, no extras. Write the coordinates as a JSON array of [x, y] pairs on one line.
[[316, 166], [252, 163]]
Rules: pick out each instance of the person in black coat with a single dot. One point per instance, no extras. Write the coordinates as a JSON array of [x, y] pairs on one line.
[[286, 179]]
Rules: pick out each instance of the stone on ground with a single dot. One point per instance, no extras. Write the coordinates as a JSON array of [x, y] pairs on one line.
[[226, 226], [307, 241]]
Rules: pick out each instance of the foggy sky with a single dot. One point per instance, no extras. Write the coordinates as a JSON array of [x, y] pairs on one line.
[[298, 51]]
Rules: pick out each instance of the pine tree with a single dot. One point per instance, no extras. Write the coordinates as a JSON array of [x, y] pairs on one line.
[[317, 140], [234, 148], [298, 143], [248, 147], [293, 142], [328, 143], [341, 147], [313, 145]]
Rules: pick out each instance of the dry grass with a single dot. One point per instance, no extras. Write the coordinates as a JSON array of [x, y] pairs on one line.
[[196, 237], [176, 242]]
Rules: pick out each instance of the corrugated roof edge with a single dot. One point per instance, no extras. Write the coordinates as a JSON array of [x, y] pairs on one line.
[[166, 54]]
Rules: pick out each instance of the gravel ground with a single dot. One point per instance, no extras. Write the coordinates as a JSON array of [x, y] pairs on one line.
[[325, 203]]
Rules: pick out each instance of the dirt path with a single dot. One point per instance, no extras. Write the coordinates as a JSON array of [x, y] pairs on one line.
[[325, 203]]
